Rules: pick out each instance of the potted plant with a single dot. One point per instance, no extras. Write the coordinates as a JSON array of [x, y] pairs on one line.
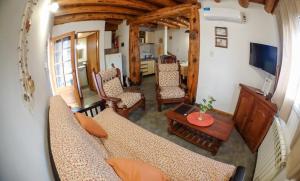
[[205, 106]]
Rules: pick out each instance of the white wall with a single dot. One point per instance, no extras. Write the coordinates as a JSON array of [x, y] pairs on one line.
[[107, 39], [123, 34], [84, 26], [23, 150], [179, 44], [221, 70]]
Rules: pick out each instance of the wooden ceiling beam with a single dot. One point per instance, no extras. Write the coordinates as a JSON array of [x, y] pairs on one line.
[[96, 9], [110, 27], [174, 22], [163, 2], [244, 3], [87, 17], [183, 21], [124, 3], [270, 5], [167, 24], [163, 13], [114, 21]]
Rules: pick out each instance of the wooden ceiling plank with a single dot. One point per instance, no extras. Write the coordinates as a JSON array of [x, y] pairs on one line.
[[244, 3], [124, 3], [87, 17], [163, 13], [96, 9]]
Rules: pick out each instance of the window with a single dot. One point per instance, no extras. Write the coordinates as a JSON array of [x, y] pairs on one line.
[[62, 62]]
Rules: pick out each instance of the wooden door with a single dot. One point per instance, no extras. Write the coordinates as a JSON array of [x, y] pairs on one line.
[[92, 58], [63, 70], [257, 125], [243, 111]]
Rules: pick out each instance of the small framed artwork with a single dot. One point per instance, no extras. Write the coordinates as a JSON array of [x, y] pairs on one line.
[[221, 42], [221, 31]]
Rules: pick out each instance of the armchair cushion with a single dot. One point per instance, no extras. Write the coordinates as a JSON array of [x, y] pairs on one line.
[[129, 99], [171, 92], [113, 88], [169, 79], [168, 67]]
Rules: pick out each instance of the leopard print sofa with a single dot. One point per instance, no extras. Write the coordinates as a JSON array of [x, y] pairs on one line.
[[79, 156]]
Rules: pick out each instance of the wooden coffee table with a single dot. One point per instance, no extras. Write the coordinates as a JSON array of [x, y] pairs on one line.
[[209, 138]]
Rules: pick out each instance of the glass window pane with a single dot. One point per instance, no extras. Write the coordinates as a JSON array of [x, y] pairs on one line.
[[69, 79], [67, 54], [60, 82], [58, 45], [67, 67], [57, 57], [67, 42], [58, 69]]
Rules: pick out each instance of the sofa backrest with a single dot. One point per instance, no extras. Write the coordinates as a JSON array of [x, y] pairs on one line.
[[76, 154]]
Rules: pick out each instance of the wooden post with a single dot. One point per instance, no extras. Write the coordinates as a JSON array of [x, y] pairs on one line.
[[134, 54], [194, 52]]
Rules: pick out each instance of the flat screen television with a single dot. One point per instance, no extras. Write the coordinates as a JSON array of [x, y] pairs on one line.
[[263, 57]]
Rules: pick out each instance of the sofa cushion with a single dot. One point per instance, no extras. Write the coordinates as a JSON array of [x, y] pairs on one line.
[[136, 170], [177, 162], [129, 99], [168, 79], [113, 88], [91, 125], [171, 92], [76, 154]]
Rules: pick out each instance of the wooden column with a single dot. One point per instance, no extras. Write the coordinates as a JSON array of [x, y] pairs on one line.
[[194, 52], [134, 54]]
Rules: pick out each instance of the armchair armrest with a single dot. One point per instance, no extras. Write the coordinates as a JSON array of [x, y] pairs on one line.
[[239, 174], [113, 99]]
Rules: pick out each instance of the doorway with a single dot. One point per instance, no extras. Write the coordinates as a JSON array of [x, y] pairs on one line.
[[87, 51], [72, 61], [62, 69]]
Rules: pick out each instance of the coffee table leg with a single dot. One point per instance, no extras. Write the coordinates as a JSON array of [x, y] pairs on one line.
[[170, 123]]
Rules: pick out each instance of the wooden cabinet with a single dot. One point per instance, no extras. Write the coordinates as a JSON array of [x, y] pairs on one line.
[[253, 116], [149, 37], [147, 67]]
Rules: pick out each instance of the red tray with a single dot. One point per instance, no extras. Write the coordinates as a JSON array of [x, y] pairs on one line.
[[208, 120]]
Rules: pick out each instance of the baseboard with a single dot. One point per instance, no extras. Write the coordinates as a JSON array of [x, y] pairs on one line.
[[223, 112]]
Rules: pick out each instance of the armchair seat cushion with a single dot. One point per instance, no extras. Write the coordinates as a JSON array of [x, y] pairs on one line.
[[129, 99], [171, 92]]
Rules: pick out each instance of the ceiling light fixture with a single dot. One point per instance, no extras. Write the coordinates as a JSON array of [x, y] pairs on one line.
[[54, 7]]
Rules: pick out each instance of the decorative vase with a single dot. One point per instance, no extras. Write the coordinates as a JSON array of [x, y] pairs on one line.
[[201, 116]]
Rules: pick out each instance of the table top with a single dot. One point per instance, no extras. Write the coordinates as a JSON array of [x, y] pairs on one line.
[[220, 129]]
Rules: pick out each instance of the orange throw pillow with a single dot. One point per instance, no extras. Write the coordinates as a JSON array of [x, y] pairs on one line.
[[136, 170], [90, 125]]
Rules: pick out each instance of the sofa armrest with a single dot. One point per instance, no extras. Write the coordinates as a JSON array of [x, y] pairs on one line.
[[239, 174]]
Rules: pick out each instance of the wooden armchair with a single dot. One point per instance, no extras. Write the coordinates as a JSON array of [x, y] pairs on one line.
[[168, 84], [110, 89]]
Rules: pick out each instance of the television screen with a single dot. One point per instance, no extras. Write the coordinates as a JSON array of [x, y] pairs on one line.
[[263, 57]]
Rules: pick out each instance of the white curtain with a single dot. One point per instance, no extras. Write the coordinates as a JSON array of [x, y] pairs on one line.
[[289, 79]]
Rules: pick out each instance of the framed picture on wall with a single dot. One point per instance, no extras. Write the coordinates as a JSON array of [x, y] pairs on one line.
[[221, 31], [221, 42]]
